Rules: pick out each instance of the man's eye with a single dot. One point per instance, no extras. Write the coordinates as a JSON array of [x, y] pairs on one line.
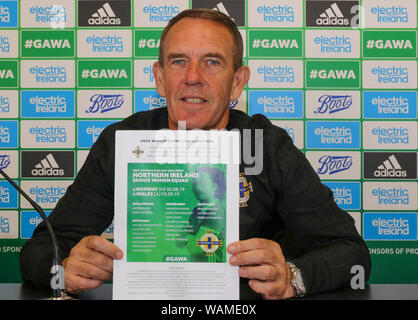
[[178, 61], [213, 62]]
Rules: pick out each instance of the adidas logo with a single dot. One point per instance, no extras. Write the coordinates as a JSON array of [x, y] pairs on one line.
[[332, 17], [104, 16], [221, 8], [390, 168], [47, 167]]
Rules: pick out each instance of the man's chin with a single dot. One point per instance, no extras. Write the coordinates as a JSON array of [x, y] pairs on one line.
[[189, 123]]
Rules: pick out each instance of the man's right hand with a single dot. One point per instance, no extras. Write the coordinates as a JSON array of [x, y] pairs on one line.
[[90, 263]]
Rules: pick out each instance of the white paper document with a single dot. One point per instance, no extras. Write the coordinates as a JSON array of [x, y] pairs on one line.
[[176, 210]]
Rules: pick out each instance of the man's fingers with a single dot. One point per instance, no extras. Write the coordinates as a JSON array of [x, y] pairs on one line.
[[102, 245], [253, 257], [76, 284], [98, 259], [270, 290], [263, 272], [251, 244], [87, 270]]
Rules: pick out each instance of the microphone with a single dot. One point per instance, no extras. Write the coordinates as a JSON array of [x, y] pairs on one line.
[[57, 270]]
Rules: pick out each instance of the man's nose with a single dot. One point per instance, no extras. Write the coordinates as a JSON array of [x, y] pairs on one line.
[[193, 74]]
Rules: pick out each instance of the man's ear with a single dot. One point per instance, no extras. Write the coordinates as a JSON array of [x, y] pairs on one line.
[[157, 71], [241, 77]]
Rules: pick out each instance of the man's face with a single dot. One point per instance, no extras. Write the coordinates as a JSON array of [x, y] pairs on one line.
[[198, 78]]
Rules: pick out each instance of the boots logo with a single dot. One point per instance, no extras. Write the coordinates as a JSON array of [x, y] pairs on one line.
[[333, 103], [384, 165], [4, 161], [104, 13], [340, 14], [47, 164]]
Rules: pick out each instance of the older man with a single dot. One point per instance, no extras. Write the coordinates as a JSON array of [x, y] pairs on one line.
[[294, 239]]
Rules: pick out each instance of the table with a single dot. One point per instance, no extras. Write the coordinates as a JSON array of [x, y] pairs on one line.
[[18, 291]]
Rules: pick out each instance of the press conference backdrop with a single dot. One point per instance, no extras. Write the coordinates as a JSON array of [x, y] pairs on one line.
[[339, 76]]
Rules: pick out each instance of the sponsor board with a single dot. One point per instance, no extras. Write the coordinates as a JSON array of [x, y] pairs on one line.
[[47, 74], [389, 44], [390, 135], [336, 165], [9, 45], [143, 74], [333, 135], [276, 74], [9, 224], [390, 226], [332, 74], [332, 14], [357, 220], [46, 193], [147, 43], [158, 12], [46, 134], [332, 43], [146, 100], [81, 158], [390, 104], [47, 104], [240, 104], [104, 43], [55, 14], [46, 43], [90, 130], [276, 104], [389, 14], [234, 9], [9, 74], [104, 103], [104, 73], [9, 162], [47, 164], [294, 129], [273, 14], [9, 104], [272, 43], [8, 195], [9, 134], [104, 13], [8, 14], [390, 165], [388, 74], [389, 195], [29, 220], [347, 195], [332, 104]]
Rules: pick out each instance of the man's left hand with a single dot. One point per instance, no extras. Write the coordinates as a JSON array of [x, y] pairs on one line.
[[262, 261]]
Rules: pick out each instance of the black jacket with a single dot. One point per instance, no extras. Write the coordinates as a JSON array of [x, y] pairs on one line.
[[287, 204]]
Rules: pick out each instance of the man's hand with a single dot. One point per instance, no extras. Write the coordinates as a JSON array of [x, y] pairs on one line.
[[90, 263], [262, 262]]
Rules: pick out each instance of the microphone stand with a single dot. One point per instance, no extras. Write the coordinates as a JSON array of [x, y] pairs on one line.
[[57, 270]]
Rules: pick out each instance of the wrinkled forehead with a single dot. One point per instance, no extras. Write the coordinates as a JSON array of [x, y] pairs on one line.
[[194, 32]]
